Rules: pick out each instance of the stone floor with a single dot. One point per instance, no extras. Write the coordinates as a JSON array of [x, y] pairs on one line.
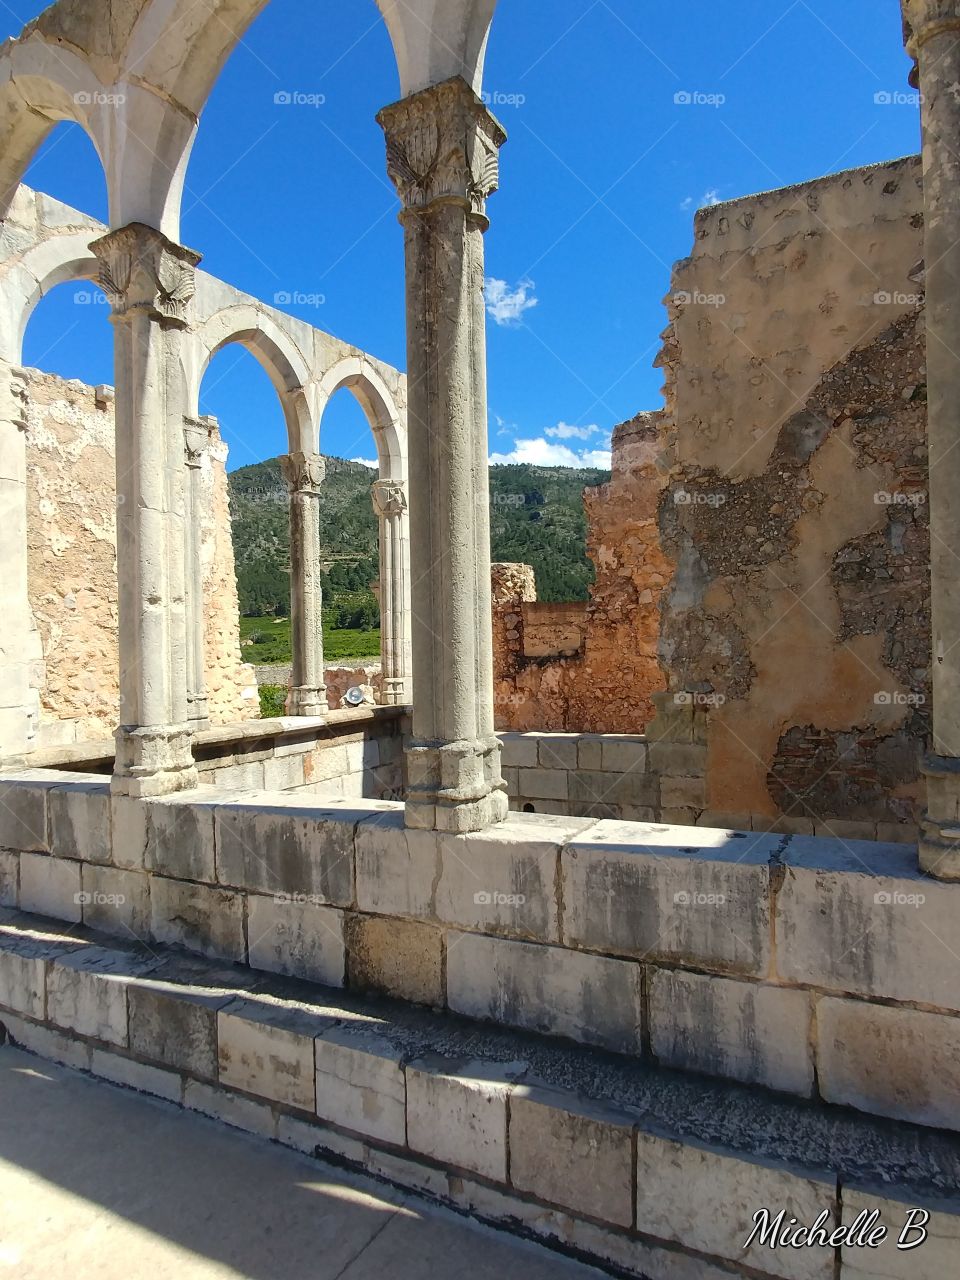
[[97, 1181]]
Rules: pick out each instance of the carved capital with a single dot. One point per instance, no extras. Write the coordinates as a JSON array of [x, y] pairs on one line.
[[389, 498], [442, 147], [923, 20], [303, 473], [141, 270], [196, 441]]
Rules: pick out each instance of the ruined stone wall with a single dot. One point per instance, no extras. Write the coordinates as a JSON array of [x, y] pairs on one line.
[[71, 537], [593, 668], [795, 516]]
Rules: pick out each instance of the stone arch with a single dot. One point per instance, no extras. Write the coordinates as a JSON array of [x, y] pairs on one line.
[[378, 404], [31, 277], [275, 351]]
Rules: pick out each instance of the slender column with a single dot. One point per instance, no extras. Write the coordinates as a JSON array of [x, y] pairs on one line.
[[150, 281], [20, 645], [442, 146], [933, 39], [304, 474], [390, 504], [196, 441]]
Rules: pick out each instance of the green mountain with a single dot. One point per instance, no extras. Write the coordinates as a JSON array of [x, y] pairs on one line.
[[536, 517]]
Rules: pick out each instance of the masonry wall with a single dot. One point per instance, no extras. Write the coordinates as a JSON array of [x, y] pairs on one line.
[[72, 572]]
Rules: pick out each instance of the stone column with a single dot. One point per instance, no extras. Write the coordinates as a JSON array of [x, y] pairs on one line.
[[304, 474], [150, 281], [196, 441], [442, 146], [933, 39], [20, 647], [390, 504]]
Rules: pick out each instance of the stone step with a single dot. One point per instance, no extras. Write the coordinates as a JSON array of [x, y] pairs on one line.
[[644, 1171]]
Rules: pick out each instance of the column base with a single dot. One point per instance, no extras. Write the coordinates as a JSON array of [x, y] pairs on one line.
[[303, 700], [154, 762], [455, 786], [940, 827]]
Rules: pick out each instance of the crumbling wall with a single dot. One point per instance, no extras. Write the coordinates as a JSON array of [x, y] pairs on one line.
[[795, 516], [72, 567]]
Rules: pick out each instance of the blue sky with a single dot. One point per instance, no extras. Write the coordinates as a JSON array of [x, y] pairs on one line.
[[601, 176]]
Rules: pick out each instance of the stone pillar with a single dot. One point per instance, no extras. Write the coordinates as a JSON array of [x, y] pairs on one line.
[[933, 40], [390, 504], [150, 281], [304, 474], [20, 644], [442, 146], [196, 440]]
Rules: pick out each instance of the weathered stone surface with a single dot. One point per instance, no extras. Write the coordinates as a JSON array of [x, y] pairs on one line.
[[78, 821], [744, 1030], [361, 1084], [558, 750], [137, 1075], [23, 815], [861, 918], [47, 1043], [893, 1062], [176, 1029], [179, 840], [706, 1200], [397, 868], [544, 784], [9, 878], [520, 750], [400, 958], [296, 938], [115, 901], [87, 993], [50, 886], [589, 998], [23, 980], [572, 1153], [934, 1259], [306, 851], [457, 1113], [197, 917], [259, 1053], [241, 1113], [658, 892]]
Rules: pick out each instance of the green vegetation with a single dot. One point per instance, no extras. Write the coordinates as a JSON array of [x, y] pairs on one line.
[[266, 641], [272, 701]]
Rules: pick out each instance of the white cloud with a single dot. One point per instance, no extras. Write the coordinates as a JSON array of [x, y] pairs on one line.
[[543, 453], [365, 462], [709, 198], [563, 431], [507, 305], [687, 203]]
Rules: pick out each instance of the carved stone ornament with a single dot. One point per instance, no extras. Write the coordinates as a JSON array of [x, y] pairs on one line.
[[389, 498], [303, 472], [923, 20], [196, 441], [140, 269], [443, 145]]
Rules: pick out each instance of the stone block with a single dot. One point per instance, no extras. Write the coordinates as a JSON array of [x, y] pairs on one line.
[[511, 777], [9, 878], [624, 755], [281, 772], [457, 1113], [87, 992], [619, 789], [23, 814], [897, 833], [174, 1027], [934, 1259], [683, 758], [262, 1052], [23, 980], [401, 958], [590, 754], [180, 840], [520, 750], [558, 750], [115, 901], [591, 999], [706, 1200], [844, 829], [862, 918], [325, 764], [683, 793], [741, 1030], [397, 867], [50, 887], [573, 1153], [361, 1084], [47, 1043], [659, 892], [240, 1113], [78, 821], [543, 784], [197, 917], [247, 776], [731, 822], [136, 1075], [300, 939], [503, 880], [296, 849], [893, 1062]]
